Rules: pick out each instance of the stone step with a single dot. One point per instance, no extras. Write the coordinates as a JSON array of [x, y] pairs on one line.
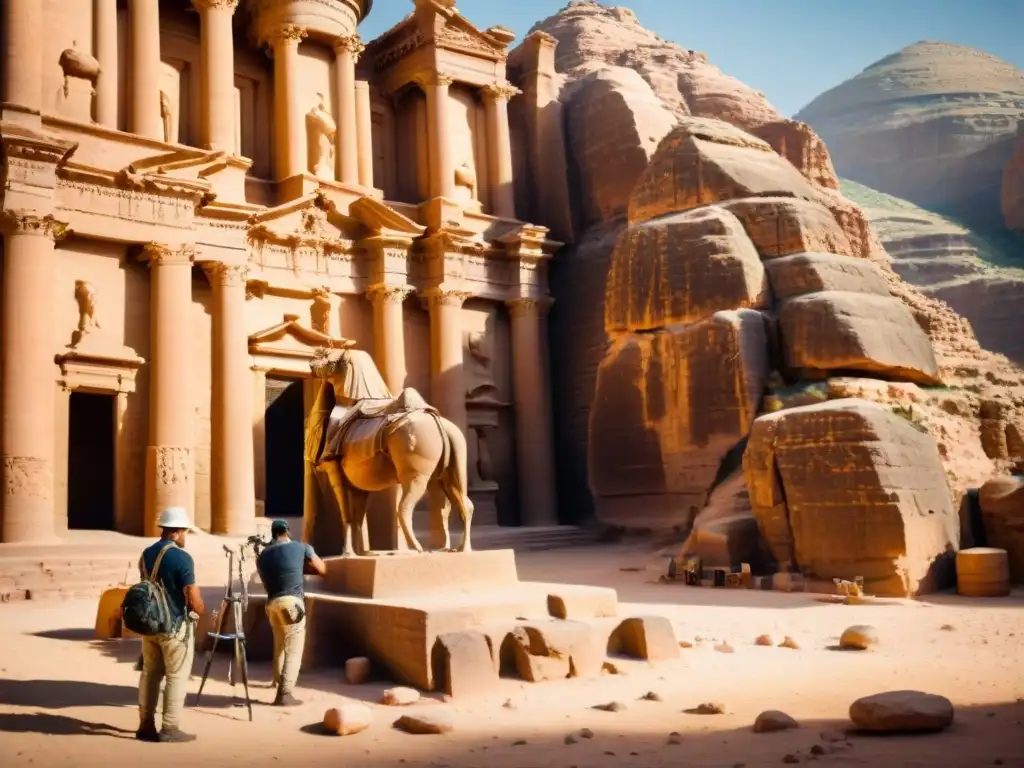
[[68, 590]]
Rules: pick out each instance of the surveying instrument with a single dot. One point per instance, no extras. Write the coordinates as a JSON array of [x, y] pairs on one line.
[[237, 605]]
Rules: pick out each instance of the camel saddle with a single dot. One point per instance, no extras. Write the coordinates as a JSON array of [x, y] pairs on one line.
[[359, 431]]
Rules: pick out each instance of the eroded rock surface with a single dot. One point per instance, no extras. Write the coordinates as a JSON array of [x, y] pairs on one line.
[[1002, 509], [902, 712], [849, 488], [1013, 184]]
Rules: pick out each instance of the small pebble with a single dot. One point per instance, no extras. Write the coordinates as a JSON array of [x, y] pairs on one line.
[[724, 648], [708, 708], [611, 706], [675, 738], [791, 759], [652, 696], [817, 749], [519, 743], [764, 640], [685, 644], [789, 642], [586, 733], [570, 739]]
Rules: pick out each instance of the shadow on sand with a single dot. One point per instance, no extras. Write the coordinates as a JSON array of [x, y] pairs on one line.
[[64, 694], [59, 725]]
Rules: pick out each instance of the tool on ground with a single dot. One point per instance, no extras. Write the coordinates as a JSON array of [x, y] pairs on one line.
[[237, 605]]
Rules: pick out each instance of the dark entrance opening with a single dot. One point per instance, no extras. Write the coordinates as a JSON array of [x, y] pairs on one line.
[[91, 462], [285, 438]]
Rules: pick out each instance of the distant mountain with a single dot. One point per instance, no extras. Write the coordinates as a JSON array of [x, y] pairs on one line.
[[934, 124]]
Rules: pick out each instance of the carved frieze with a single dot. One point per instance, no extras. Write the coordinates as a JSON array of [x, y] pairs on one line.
[[173, 465], [398, 44], [22, 222], [216, 5], [226, 275], [529, 307], [499, 91], [28, 477], [455, 38], [131, 204]]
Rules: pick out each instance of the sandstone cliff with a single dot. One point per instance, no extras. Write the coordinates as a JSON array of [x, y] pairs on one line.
[[933, 123], [716, 261], [1013, 184], [979, 273]]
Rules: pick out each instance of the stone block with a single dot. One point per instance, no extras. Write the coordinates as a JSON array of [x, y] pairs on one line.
[[581, 643], [804, 273], [848, 488], [839, 331], [405, 574], [783, 226], [463, 664], [682, 268], [645, 637], [1002, 511], [534, 667], [567, 601]]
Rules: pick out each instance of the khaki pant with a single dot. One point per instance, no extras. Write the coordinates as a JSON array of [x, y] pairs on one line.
[[166, 657], [287, 617]]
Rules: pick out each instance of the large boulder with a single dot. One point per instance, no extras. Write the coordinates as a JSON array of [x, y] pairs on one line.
[[845, 331], [803, 273], [668, 406], [1002, 511], [682, 268], [849, 488], [782, 226]]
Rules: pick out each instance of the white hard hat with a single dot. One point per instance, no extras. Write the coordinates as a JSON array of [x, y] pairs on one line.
[[175, 517]]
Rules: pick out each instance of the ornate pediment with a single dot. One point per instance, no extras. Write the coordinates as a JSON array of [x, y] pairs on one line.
[[312, 220], [380, 217], [439, 23], [290, 338]]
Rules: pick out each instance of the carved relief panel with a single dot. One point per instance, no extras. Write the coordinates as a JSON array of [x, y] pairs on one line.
[[463, 139]]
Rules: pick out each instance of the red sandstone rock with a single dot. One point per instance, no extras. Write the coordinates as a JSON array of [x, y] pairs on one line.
[[848, 488], [812, 272], [796, 142], [783, 226], [1002, 510], [347, 719]]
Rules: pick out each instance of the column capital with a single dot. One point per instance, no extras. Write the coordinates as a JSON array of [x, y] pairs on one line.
[[286, 34], [440, 297], [427, 79], [219, 5], [388, 294], [226, 275], [498, 92], [160, 254], [24, 222], [351, 44], [525, 307]]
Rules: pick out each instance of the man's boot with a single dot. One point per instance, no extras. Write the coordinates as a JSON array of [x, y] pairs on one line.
[[147, 731], [285, 700], [175, 736]]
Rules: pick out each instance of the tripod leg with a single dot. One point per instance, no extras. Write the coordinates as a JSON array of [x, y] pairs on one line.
[[210, 653], [243, 665]]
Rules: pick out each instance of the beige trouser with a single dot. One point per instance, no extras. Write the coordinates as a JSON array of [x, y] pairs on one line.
[[287, 617], [170, 657]]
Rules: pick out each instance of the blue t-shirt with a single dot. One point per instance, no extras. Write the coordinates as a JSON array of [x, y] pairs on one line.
[[177, 571], [281, 564]]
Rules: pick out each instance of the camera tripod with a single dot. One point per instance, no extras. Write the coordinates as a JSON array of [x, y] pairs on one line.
[[237, 605]]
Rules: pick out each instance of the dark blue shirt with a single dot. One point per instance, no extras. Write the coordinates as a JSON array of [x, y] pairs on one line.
[[177, 571], [281, 564]]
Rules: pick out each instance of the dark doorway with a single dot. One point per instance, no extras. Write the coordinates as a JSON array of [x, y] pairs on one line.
[[285, 439], [91, 462]]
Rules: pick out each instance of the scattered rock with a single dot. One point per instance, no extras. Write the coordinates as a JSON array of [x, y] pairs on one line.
[[902, 712], [519, 743], [832, 736], [773, 720], [570, 738], [724, 647], [357, 670], [685, 644], [675, 738], [400, 697], [817, 749], [348, 718], [611, 668], [858, 638], [707, 708], [651, 696], [611, 706], [509, 704], [586, 733], [791, 759], [789, 642], [765, 640], [424, 723], [947, 627]]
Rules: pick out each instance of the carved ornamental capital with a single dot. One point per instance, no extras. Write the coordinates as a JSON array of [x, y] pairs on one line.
[[226, 275], [438, 297], [22, 222], [159, 254], [529, 307], [215, 5], [429, 79], [498, 92], [352, 44], [388, 294], [286, 34]]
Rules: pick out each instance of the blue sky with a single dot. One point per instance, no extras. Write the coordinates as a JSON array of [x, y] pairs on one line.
[[790, 49]]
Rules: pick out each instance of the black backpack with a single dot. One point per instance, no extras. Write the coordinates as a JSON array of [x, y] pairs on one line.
[[145, 609]]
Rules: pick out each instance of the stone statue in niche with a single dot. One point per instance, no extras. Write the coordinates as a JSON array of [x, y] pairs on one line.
[[480, 379], [166, 113], [320, 312], [320, 131], [85, 296], [466, 178], [80, 74], [484, 465]]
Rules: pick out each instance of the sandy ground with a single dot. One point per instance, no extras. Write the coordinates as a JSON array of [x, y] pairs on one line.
[[68, 700]]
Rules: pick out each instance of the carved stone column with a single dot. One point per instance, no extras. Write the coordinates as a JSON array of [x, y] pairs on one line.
[[447, 379], [258, 388], [232, 475], [170, 460], [290, 137], [442, 170], [144, 65], [364, 133], [105, 21], [534, 435], [217, 71], [389, 333], [499, 149], [346, 53], [21, 27], [27, 375]]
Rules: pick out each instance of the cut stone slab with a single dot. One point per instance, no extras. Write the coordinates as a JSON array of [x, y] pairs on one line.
[[347, 719], [902, 712], [645, 637], [582, 644], [402, 574], [426, 723], [804, 273], [463, 664]]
